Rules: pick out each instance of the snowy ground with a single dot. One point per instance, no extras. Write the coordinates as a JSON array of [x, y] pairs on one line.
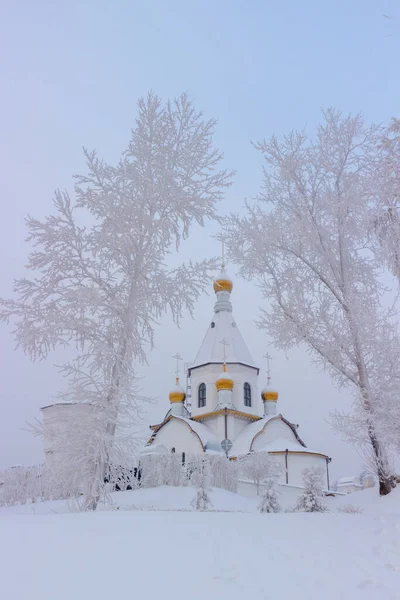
[[169, 552]]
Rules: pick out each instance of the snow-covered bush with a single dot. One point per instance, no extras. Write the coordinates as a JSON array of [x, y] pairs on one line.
[[311, 498], [269, 500], [202, 500], [351, 509], [175, 470], [19, 485]]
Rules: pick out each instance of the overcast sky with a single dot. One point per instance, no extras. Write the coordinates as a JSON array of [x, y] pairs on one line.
[[70, 76]]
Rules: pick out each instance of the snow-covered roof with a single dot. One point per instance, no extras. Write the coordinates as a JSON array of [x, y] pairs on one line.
[[206, 437], [244, 442], [204, 433], [223, 327], [154, 449], [283, 445]]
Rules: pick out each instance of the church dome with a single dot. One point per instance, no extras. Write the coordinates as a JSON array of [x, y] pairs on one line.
[[269, 394], [224, 382], [223, 283], [177, 394]]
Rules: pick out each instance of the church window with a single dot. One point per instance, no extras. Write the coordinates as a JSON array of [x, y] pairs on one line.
[[247, 394], [202, 395]]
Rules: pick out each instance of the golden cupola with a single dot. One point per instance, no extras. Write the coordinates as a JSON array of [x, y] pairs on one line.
[[270, 398], [224, 382], [269, 395], [223, 283], [177, 394]]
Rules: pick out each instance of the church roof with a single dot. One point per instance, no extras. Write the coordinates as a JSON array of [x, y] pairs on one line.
[[223, 327], [244, 442], [206, 437]]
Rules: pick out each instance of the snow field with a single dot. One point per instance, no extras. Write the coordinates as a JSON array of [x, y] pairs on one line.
[[180, 555]]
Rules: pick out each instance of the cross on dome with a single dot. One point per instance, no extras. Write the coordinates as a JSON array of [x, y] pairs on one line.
[[269, 358], [178, 358]]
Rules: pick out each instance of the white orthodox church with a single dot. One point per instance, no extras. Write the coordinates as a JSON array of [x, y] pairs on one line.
[[228, 414]]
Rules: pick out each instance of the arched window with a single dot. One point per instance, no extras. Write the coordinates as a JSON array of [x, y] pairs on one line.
[[202, 395], [247, 394]]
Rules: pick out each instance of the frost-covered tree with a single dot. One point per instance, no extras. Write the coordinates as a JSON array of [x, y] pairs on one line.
[[269, 499], [223, 473], [202, 500], [99, 280], [200, 478], [310, 499], [258, 467], [307, 242], [386, 217]]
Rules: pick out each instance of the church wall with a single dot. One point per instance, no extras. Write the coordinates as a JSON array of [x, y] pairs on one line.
[[239, 373], [235, 426], [298, 462], [288, 494], [176, 434], [275, 430]]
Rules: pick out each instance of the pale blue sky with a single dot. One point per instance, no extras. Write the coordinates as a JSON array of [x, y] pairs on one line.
[[70, 75]]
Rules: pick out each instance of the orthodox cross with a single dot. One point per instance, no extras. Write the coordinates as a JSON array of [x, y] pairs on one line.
[[269, 358], [224, 344], [178, 358]]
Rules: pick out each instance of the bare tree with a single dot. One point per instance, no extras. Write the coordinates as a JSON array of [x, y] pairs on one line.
[[307, 243], [99, 281]]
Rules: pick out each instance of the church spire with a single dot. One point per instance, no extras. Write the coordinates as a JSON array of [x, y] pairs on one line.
[[223, 326]]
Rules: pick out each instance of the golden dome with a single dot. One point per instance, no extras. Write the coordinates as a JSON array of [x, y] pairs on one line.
[[222, 283], [269, 395], [177, 394], [224, 382]]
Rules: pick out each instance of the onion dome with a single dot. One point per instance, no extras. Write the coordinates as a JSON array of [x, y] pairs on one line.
[[269, 394], [224, 382], [223, 283], [177, 394]]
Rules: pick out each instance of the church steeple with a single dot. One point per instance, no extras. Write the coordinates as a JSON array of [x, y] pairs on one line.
[[223, 326]]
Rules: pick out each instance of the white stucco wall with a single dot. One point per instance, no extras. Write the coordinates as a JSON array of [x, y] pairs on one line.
[[296, 465], [240, 374], [288, 495]]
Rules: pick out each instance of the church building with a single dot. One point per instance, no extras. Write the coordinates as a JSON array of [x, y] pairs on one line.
[[229, 414]]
